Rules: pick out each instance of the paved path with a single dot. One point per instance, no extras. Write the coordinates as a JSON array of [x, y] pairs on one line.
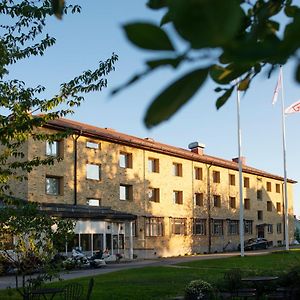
[[9, 281]]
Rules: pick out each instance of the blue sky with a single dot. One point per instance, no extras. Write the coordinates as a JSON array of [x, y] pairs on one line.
[[86, 38]]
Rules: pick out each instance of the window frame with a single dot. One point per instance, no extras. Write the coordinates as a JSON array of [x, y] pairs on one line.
[[128, 192], [48, 150], [233, 227], [93, 201], [260, 215], [217, 200], [231, 199], [217, 227], [89, 168], [155, 196], [178, 223], [177, 169], [154, 226], [199, 199], [216, 176], [248, 226], [247, 204], [269, 205], [198, 173], [247, 182], [231, 178], [278, 188], [125, 163], [199, 226], [153, 165], [278, 207], [92, 145], [58, 185], [269, 186], [178, 197]]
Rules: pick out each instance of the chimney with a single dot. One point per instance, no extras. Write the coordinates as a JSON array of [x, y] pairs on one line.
[[197, 148], [243, 160]]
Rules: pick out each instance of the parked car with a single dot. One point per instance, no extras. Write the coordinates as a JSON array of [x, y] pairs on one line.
[[256, 243]]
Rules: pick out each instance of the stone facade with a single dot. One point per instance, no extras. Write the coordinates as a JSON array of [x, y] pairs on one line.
[[163, 227]]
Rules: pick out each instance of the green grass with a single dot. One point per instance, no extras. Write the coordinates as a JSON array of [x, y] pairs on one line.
[[166, 282]]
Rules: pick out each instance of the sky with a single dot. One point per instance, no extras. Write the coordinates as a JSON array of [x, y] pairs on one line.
[[85, 39]]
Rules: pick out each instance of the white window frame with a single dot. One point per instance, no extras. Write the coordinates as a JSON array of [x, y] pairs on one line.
[[93, 171], [52, 148], [57, 186], [92, 145]]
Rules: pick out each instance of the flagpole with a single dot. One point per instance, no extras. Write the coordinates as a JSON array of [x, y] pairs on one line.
[[240, 173], [286, 216]]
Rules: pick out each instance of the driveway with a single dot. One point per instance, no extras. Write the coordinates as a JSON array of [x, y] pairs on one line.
[[9, 281]]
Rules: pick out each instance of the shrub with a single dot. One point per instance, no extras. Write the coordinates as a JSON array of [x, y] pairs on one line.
[[198, 290]]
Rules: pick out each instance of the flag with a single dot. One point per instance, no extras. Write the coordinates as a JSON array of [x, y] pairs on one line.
[[294, 108], [277, 88]]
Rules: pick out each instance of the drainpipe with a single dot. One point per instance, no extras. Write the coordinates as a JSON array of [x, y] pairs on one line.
[[75, 137], [208, 207]]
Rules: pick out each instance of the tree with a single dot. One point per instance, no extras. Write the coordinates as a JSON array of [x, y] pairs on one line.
[[36, 236], [21, 37], [229, 41]]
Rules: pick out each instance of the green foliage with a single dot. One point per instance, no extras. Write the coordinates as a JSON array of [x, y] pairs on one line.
[[235, 40], [198, 289], [297, 235], [35, 233], [22, 36]]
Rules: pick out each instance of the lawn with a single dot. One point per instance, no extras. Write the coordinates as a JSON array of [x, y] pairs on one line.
[[169, 281]]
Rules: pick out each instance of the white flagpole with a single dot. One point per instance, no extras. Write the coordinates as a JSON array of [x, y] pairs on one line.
[[286, 216], [240, 174]]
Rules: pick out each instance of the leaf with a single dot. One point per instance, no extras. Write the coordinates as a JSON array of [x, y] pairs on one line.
[[244, 84], [58, 8], [206, 23], [157, 4], [225, 75], [223, 99], [165, 19], [297, 75], [174, 97], [174, 62], [148, 36], [291, 10]]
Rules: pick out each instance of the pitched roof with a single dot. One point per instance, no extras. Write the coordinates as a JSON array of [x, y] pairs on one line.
[[110, 135]]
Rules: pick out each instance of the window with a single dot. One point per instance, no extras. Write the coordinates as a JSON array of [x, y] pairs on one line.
[[259, 194], [246, 203], [178, 226], [93, 202], [85, 242], [177, 169], [269, 205], [177, 197], [154, 226], [277, 188], [198, 173], [93, 171], [231, 179], [233, 227], [98, 242], [199, 226], [270, 228], [279, 228], [198, 199], [126, 192], [92, 145], [216, 176], [278, 207], [52, 148], [153, 165], [248, 224], [134, 228], [53, 185], [217, 227], [260, 215], [246, 182], [232, 202], [125, 160], [269, 186], [217, 201], [153, 194]]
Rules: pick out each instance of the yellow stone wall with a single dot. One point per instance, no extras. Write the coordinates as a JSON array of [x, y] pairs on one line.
[[107, 189]]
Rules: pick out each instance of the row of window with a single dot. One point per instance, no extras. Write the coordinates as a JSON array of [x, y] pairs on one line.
[[54, 187], [155, 226], [53, 148]]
